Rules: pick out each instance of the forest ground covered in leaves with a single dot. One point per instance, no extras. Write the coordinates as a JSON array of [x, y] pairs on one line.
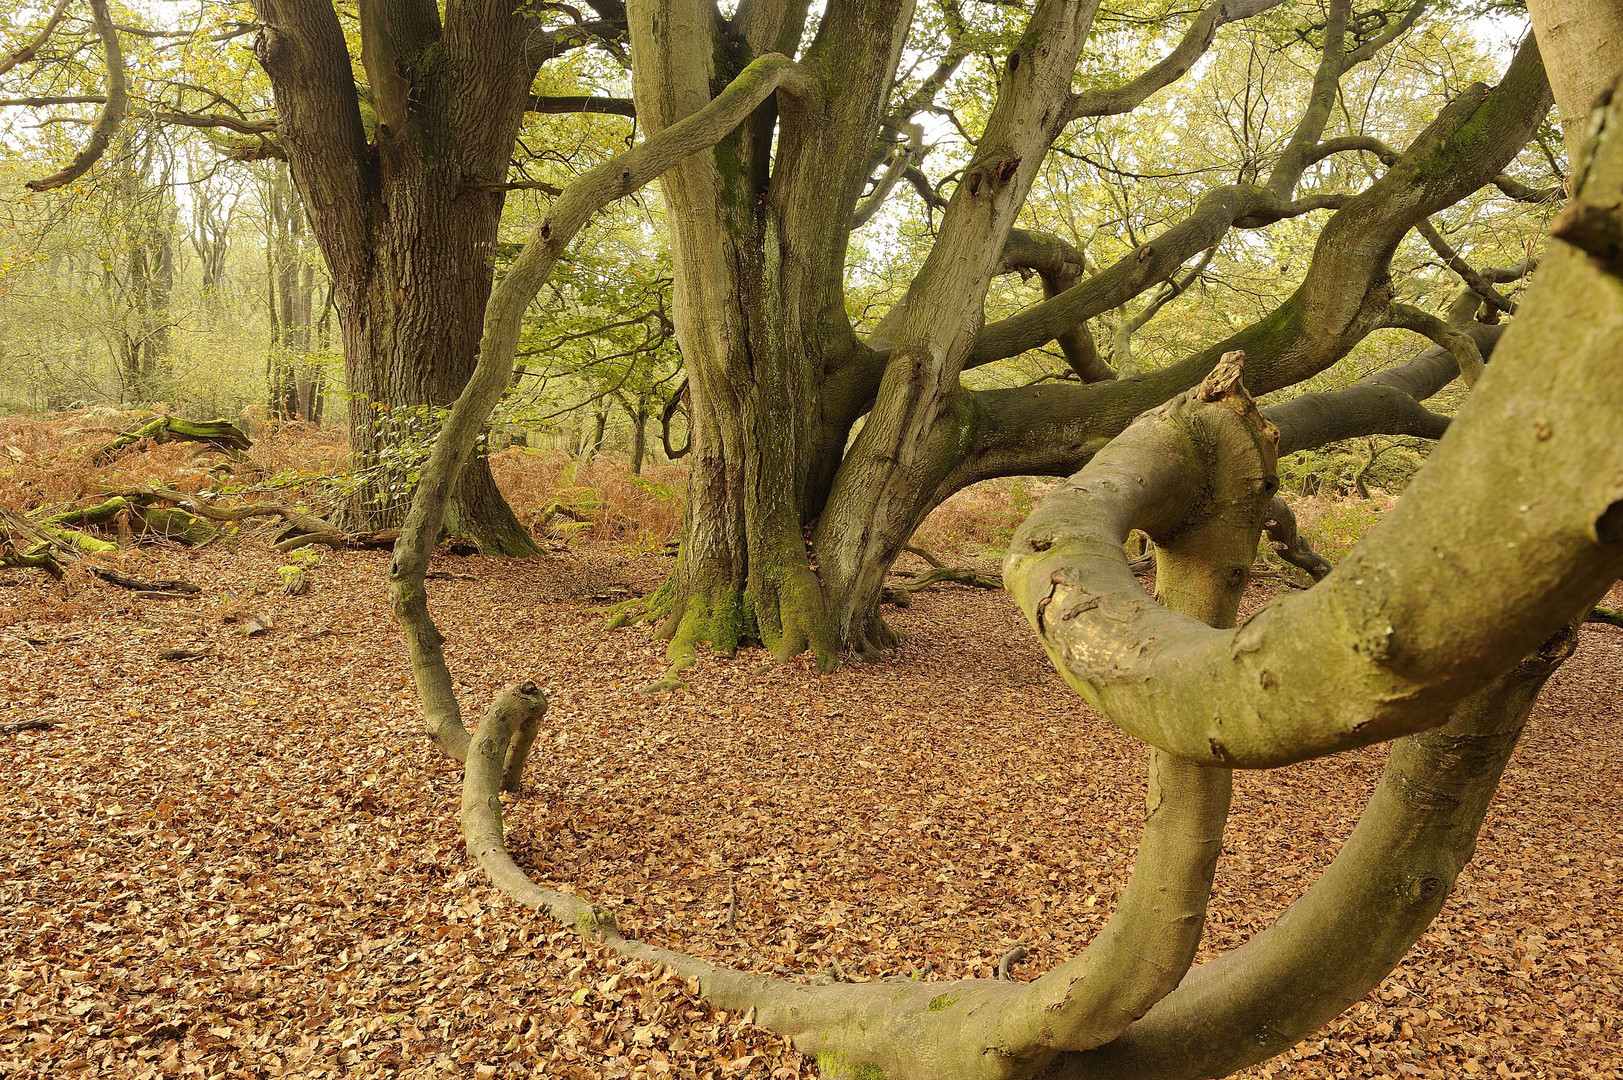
[[247, 864]]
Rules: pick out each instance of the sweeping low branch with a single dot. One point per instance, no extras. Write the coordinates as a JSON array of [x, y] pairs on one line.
[[1348, 932], [504, 314], [1459, 582]]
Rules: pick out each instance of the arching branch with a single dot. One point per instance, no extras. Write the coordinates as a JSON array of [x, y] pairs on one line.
[[1457, 342], [112, 113], [1459, 582]]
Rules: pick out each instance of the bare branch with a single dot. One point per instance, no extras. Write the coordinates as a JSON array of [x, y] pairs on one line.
[[1198, 38], [1293, 160], [1388, 36], [581, 103], [1475, 281]]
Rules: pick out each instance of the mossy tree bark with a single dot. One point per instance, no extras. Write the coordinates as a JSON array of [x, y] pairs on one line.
[[779, 380]]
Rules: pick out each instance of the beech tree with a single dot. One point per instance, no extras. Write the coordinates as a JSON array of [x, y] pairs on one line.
[[1437, 631], [780, 379]]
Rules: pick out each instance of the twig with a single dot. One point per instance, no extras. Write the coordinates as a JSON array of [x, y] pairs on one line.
[[1010, 958], [25, 725]]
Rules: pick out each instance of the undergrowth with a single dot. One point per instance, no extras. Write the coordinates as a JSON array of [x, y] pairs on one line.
[[47, 461]]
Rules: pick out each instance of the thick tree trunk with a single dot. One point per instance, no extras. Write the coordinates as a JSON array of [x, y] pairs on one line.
[[759, 305], [1587, 36], [407, 214], [411, 337]]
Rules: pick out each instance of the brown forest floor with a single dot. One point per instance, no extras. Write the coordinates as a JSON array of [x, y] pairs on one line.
[[248, 865]]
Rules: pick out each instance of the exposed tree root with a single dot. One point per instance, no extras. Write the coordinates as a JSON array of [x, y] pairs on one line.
[[1005, 966]]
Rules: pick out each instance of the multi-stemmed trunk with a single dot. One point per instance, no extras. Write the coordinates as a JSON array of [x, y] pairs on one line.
[[779, 380], [758, 241]]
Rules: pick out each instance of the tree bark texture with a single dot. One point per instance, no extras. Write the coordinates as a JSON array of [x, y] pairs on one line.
[[778, 380], [406, 209]]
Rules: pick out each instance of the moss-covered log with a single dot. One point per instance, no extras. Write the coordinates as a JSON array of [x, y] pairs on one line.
[[222, 435]]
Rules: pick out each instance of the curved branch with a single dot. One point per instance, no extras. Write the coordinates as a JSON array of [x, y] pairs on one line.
[[112, 113], [1387, 36], [665, 416], [1348, 932], [504, 315], [1468, 143], [1060, 266], [1288, 544], [905, 156], [1459, 582], [1196, 40], [1457, 342]]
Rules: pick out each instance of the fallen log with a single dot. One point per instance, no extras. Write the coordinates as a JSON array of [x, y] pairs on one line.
[[901, 593], [164, 587], [52, 549], [14, 726], [133, 513], [222, 435], [1605, 615]]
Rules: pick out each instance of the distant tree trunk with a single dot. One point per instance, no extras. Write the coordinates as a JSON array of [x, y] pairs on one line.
[[140, 278], [639, 435], [406, 213], [600, 426]]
